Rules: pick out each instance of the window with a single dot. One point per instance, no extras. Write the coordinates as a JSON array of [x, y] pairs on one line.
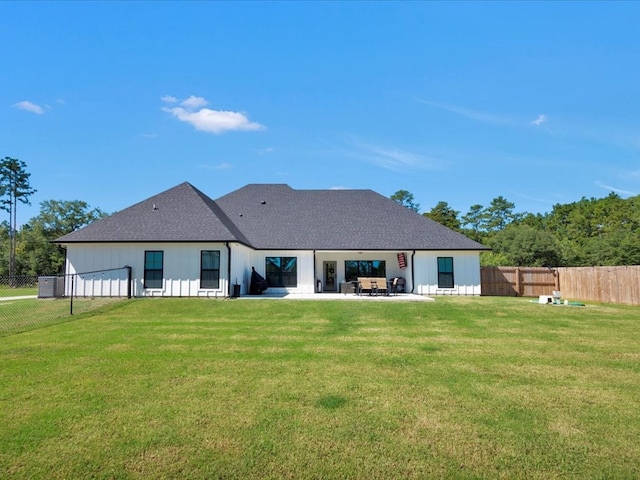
[[153, 269], [210, 269], [445, 272], [282, 271], [364, 268]]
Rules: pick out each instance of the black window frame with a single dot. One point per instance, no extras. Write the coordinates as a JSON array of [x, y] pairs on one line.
[[364, 268], [153, 277], [209, 277], [445, 272], [281, 272]]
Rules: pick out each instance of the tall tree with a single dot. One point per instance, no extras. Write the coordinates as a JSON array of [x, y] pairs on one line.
[[4, 248], [499, 214], [405, 199], [57, 218], [14, 188], [445, 215], [475, 218], [523, 245]]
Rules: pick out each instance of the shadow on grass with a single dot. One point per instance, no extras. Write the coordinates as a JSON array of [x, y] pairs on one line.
[[332, 402]]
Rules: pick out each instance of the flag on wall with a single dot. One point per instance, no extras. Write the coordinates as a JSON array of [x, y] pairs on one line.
[[402, 260]]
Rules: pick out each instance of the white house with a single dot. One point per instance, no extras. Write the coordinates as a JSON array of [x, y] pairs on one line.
[[183, 243]]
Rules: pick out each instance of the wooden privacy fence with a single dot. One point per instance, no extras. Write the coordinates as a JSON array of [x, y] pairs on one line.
[[518, 281], [595, 284], [601, 284]]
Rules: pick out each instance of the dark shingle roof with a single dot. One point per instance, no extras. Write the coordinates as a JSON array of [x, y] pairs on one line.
[[279, 217], [276, 217], [180, 214]]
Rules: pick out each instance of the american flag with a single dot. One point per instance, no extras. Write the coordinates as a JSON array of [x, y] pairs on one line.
[[402, 260]]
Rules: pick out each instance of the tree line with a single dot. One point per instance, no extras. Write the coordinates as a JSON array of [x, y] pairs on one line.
[[590, 231], [28, 250]]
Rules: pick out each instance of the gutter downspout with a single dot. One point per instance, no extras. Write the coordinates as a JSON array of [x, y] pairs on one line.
[[315, 273], [413, 274], [229, 286]]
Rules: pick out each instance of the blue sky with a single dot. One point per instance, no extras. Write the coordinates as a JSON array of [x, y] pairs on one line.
[[113, 102]]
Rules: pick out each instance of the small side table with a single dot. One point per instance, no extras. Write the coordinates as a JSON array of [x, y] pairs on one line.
[[347, 287]]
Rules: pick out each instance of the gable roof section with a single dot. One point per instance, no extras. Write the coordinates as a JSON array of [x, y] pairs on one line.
[[180, 214], [279, 217], [268, 216]]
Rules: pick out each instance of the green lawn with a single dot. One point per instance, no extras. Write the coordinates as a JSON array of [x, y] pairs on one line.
[[7, 291], [459, 388]]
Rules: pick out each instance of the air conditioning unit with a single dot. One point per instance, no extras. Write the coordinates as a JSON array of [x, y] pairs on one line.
[[51, 287]]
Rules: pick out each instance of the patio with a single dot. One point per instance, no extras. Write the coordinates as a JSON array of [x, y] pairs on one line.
[[400, 297]]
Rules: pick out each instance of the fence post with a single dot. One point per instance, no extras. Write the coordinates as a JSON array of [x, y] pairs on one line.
[[71, 300], [518, 283], [128, 280]]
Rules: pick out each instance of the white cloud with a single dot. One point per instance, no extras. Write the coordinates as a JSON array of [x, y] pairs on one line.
[[220, 166], [485, 117], [169, 99], [194, 102], [29, 107], [540, 120], [472, 114], [208, 120], [614, 189], [394, 159]]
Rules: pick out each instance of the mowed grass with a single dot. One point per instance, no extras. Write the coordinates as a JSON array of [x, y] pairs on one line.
[[20, 315], [7, 291], [246, 389]]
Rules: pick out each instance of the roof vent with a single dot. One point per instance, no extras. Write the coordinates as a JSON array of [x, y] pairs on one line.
[[154, 207], [263, 202]]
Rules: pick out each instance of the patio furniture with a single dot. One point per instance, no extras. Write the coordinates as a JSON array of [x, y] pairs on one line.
[[348, 287], [397, 285], [374, 285]]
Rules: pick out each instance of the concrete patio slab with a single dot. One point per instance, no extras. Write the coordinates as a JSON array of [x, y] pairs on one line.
[[401, 297]]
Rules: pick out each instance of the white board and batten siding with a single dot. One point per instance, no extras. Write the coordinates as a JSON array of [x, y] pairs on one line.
[[466, 273], [304, 266], [241, 266], [181, 269]]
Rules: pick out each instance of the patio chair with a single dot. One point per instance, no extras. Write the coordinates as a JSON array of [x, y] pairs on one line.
[[394, 286], [397, 285], [364, 283]]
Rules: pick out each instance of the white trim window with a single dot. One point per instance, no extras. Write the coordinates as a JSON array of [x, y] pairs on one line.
[[281, 271], [153, 268], [445, 272], [210, 269]]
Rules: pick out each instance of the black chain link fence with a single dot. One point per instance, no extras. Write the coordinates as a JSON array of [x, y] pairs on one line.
[[29, 302]]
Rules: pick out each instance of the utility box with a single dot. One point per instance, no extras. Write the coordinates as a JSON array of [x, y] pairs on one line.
[[50, 287]]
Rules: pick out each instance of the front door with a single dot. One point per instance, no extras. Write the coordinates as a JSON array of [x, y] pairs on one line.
[[330, 274]]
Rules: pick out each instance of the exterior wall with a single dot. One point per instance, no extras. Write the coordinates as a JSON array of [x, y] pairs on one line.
[[306, 280], [181, 269], [241, 258], [390, 258], [466, 273]]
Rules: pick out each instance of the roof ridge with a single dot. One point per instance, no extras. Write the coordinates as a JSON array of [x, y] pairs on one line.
[[217, 211]]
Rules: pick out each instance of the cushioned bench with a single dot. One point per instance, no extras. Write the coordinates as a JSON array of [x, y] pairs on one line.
[[373, 285]]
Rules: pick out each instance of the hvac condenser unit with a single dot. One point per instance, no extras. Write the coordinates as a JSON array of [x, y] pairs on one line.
[[50, 287]]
